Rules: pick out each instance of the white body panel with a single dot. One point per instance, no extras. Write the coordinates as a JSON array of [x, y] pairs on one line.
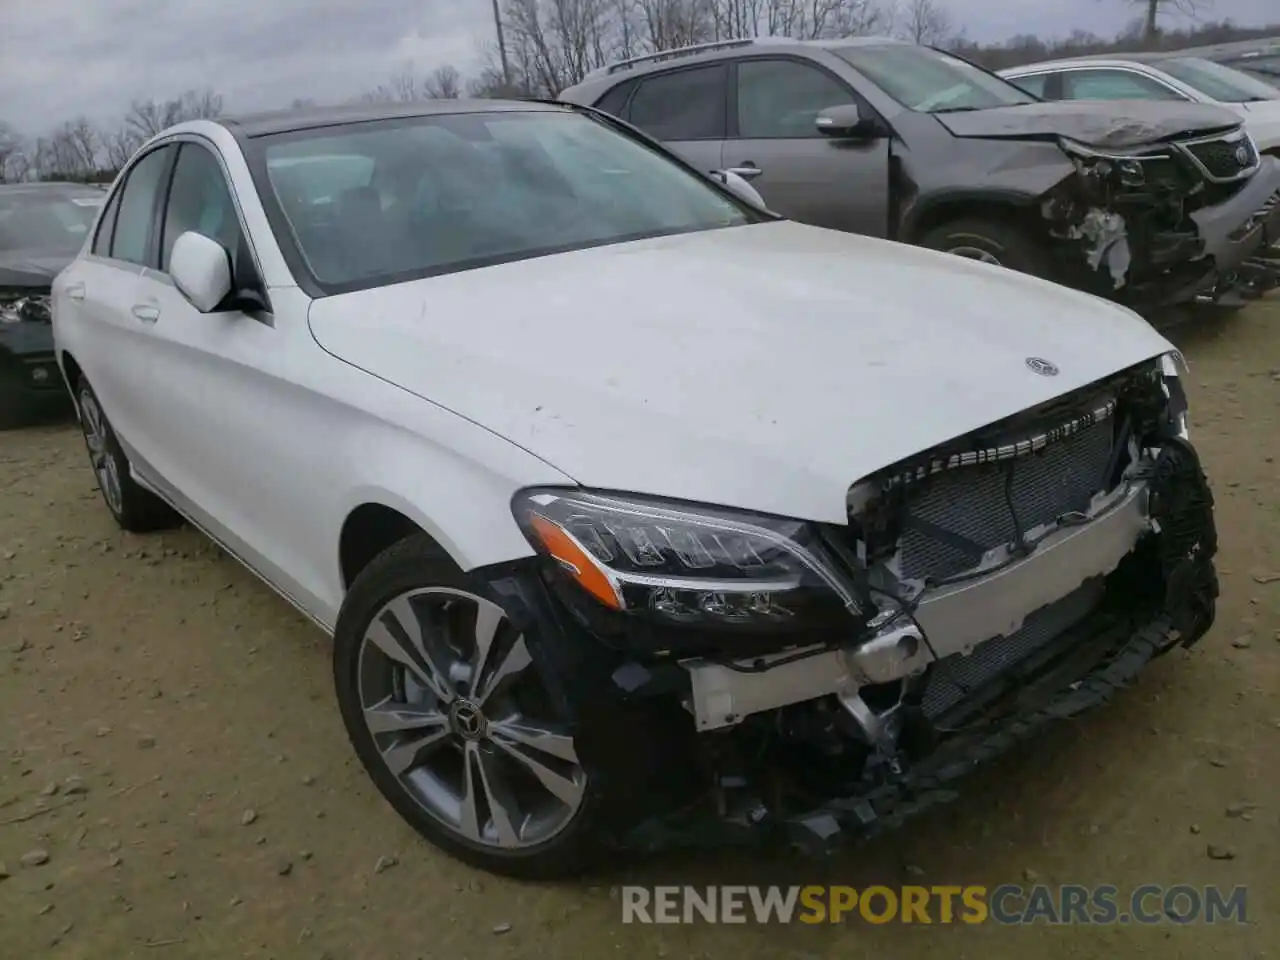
[[766, 367]]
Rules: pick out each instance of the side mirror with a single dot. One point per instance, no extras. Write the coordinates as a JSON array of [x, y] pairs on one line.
[[201, 270], [845, 120], [739, 186]]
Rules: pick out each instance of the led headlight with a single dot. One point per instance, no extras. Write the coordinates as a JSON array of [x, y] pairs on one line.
[[683, 563]]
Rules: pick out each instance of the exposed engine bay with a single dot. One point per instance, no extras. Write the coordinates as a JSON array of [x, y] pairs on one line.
[[1014, 576]]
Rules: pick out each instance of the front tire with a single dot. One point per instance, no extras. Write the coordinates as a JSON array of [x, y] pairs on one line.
[[135, 508], [451, 712], [990, 241]]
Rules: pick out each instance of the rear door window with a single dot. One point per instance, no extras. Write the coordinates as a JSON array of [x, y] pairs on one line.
[[1103, 84], [683, 105]]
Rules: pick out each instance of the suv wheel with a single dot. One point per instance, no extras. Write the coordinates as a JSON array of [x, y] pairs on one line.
[[454, 718], [990, 241], [136, 509]]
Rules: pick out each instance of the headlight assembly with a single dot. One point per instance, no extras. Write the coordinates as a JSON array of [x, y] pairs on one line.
[[689, 564]]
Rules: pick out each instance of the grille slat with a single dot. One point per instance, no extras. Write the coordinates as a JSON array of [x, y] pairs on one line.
[[971, 502], [1225, 158]]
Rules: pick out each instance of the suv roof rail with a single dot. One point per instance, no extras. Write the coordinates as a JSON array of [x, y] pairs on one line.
[[677, 52]]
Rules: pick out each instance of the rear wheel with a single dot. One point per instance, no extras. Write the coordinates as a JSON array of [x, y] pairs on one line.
[[136, 509], [454, 717], [989, 241]]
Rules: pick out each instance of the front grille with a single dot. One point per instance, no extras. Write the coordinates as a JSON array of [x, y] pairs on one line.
[[959, 513], [954, 677], [1224, 159]]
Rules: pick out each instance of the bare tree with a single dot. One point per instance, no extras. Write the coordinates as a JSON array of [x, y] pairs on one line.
[[677, 23], [12, 154], [1153, 10], [444, 83], [148, 117], [925, 21], [119, 146]]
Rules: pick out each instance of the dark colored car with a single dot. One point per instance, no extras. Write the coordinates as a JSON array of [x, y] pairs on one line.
[[42, 227], [1146, 203]]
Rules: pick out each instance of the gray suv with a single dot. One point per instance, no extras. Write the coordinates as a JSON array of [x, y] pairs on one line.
[[1147, 203]]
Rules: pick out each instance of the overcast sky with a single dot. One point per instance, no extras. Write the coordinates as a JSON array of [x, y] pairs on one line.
[[61, 58]]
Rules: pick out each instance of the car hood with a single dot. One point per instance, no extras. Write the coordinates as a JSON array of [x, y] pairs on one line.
[[31, 268], [767, 367], [1099, 123]]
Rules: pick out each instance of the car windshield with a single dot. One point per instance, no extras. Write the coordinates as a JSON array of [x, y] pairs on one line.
[[1217, 81], [46, 222], [391, 200], [929, 81]]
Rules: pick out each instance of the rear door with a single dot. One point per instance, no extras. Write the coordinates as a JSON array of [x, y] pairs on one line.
[[801, 174], [99, 291], [687, 109]]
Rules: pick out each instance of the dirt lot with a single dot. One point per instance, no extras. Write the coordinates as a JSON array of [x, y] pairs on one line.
[[218, 811]]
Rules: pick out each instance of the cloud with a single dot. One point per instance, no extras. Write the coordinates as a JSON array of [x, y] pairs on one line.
[[64, 58]]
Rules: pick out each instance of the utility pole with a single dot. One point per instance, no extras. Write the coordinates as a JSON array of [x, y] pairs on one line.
[[502, 48]]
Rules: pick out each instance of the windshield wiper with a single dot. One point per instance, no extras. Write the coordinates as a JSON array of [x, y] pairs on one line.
[[956, 109]]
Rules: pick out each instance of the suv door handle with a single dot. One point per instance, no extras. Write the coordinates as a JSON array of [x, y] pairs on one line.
[[76, 291], [146, 312], [747, 171]]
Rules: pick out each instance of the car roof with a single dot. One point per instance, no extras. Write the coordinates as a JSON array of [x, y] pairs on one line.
[[620, 70], [306, 118]]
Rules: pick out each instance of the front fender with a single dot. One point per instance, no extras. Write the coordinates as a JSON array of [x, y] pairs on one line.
[[980, 171], [461, 499]]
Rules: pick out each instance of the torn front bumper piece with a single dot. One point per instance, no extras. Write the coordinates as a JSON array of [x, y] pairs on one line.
[[1242, 236]]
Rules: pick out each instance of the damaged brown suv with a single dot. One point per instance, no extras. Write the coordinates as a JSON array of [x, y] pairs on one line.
[[1144, 202]]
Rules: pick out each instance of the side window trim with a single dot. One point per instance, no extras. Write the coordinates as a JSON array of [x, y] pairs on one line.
[[198, 141], [1128, 71], [107, 222], [117, 197], [629, 86], [726, 92], [731, 118]]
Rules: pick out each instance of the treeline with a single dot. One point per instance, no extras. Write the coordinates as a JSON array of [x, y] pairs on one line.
[[539, 47]]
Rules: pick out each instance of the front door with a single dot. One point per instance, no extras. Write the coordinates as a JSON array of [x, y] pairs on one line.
[[800, 173], [224, 411]]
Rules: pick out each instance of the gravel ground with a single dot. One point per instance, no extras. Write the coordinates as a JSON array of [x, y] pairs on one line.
[[173, 756]]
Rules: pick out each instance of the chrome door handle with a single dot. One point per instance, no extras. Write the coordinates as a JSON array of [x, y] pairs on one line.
[[146, 313], [76, 291], [748, 171]]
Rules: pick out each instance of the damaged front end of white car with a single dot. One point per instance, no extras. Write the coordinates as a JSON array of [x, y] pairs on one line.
[[740, 677]]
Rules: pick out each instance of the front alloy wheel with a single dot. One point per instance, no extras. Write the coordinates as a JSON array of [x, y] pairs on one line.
[[453, 720], [443, 686]]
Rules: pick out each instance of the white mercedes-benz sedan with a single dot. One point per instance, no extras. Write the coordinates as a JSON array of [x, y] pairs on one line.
[[638, 515]]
